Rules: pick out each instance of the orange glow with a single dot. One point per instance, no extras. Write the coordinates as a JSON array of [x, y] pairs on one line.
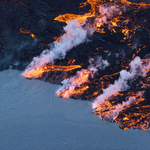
[[112, 109], [38, 72], [108, 110], [122, 107], [69, 17], [80, 80], [32, 35], [68, 93], [135, 120], [22, 30], [116, 21]]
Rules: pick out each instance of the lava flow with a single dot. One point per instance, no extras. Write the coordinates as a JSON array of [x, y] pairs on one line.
[[38, 72], [105, 54], [21, 30]]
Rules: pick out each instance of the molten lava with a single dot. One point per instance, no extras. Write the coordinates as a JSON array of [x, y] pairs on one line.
[[75, 85], [119, 85], [38, 72], [22, 30]]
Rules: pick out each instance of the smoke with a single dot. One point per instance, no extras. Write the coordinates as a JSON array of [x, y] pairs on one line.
[[137, 68]]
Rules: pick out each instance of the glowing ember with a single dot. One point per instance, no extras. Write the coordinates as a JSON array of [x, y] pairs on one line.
[[118, 85]]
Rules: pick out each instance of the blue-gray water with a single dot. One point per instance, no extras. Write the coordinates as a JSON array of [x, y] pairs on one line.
[[32, 117]]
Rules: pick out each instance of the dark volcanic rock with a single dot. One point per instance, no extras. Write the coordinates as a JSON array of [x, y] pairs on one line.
[[36, 17], [17, 48]]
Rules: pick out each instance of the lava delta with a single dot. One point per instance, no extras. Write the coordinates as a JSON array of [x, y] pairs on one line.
[[101, 54]]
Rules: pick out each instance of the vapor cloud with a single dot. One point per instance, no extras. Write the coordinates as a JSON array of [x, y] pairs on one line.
[[74, 35], [70, 85], [137, 68]]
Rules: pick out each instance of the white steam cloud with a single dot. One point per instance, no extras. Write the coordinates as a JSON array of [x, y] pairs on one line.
[[114, 112], [107, 12], [137, 68], [74, 35]]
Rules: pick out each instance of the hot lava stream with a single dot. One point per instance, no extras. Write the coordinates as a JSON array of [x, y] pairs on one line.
[[114, 74]]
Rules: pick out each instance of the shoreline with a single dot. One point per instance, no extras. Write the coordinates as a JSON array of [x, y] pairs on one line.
[[33, 117]]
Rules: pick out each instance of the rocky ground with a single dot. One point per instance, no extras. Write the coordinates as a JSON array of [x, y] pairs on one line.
[[28, 27], [33, 17], [21, 19]]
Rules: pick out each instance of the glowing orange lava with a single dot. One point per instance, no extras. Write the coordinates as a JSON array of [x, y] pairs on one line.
[[117, 21], [22, 30], [125, 107], [77, 85], [38, 72]]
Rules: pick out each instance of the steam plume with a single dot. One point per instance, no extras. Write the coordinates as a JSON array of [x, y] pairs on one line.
[[75, 35], [70, 85], [137, 68], [114, 111]]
